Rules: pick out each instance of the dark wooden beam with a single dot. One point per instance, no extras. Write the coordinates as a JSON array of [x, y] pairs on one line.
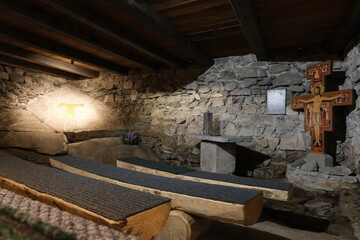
[[28, 56], [246, 13], [348, 28], [69, 30], [31, 40], [36, 68], [140, 10], [80, 12]]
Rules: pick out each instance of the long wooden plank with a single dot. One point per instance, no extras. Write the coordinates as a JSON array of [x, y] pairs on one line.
[[245, 11], [36, 42], [37, 68], [82, 13], [246, 214], [348, 28], [268, 192], [71, 31], [154, 21], [146, 225], [28, 56]]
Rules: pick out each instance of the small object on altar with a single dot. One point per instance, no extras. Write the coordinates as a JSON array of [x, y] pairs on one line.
[[207, 128]]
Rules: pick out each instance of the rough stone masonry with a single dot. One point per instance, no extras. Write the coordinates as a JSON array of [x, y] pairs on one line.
[[167, 105]]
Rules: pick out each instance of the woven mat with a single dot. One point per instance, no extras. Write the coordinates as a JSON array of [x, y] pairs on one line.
[[81, 228]]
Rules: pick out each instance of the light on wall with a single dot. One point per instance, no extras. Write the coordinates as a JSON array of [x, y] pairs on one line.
[[70, 109]]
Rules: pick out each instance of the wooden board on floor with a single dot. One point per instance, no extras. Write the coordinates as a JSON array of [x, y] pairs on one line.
[[270, 193], [145, 225], [246, 214]]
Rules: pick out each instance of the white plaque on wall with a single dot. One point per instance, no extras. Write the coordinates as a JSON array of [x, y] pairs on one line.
[[276, 101]]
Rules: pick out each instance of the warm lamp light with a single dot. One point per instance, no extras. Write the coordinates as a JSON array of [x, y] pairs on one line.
[[70, 109]]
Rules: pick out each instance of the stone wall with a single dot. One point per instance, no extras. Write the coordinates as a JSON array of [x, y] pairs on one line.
[[167, 105]]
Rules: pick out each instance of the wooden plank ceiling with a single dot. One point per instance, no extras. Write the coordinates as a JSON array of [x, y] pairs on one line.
[[80, 38]]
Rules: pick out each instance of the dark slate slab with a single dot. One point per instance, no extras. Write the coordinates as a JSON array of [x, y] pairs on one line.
[[156, 165], [195, 189], [106, 199]]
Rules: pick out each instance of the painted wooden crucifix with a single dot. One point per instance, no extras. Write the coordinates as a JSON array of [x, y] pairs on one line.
[[318, 106]]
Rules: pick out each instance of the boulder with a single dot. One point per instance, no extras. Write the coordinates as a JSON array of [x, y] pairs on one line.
[[89, 115], [21, 120], [107, 150], [50, 143]]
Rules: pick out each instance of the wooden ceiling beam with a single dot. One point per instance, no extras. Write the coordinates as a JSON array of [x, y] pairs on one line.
[[81, 13], [348, 29], [31, 40], [37, 68], [140, 10], [246, 13], [32, 57], [69, 30]]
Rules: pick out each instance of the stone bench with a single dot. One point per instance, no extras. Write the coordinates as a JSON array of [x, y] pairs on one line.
[[272, 190], [132, 212], [223, 203]]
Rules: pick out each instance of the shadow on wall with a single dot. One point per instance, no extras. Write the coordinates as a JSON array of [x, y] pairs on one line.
[[247, 160]]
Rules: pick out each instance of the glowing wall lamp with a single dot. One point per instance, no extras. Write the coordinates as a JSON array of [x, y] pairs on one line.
[[70, 109]]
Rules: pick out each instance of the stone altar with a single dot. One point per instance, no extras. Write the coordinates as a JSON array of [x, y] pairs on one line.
[[218, 153]]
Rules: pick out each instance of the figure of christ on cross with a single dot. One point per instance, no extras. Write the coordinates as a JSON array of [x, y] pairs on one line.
[[318, 106], [317, 101]]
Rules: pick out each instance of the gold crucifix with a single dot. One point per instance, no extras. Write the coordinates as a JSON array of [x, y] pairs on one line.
[[318, 111], [70, 108]]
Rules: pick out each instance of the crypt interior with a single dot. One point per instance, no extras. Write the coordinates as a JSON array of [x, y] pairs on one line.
[[180, 119]]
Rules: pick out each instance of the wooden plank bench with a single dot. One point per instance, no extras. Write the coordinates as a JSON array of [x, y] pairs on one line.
[[205, 200], [272, 190], [132, 212]]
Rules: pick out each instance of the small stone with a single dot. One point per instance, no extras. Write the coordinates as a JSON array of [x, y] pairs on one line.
[[8, 70], [287, 79], [231, 86], [234, 108], [273, 143], [249, 109], [241, 92], [227, 75], [349, 179], [204, 89], [310, 166], [278, 68], [296, 88], [337, 170], [4, 75], [251, 72], [267, 162], [17, 77], [265, 82], [191, 86], [128, 84], [335, 178], [19, 71], [109, 98], [247, 83], [211, 77]]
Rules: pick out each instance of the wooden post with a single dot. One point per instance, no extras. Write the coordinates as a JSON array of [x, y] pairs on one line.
[[182, 226], [207, 123]]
